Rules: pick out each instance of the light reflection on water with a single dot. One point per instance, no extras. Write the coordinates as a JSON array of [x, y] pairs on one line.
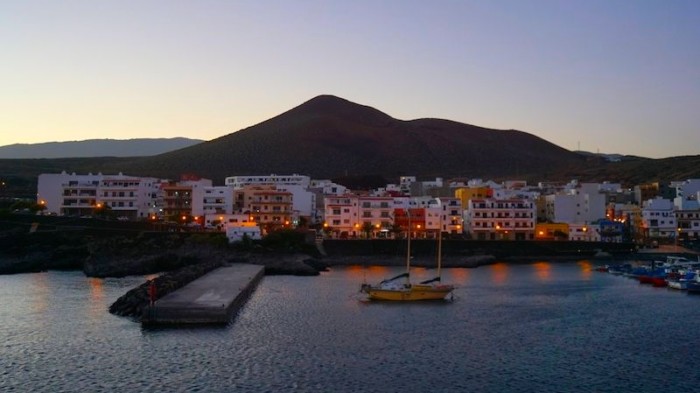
[[499, 273], [542, 270], [542, 327]]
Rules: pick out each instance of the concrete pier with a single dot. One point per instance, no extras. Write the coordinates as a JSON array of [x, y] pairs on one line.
[[210, 299]]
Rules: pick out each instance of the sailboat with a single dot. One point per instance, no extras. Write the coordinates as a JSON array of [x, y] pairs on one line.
[[396, 289]]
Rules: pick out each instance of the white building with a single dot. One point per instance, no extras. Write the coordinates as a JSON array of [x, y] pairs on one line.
[[221, 221], [340, 215], [687, 194], [688, 224], [577, 205], [238, 182], [215, 200], [127, 196], [405, 184], [237, 232], [584, 232], [658, 218], [500, 219], [303, 198], [327, 187], [444, 214], [79, 195]]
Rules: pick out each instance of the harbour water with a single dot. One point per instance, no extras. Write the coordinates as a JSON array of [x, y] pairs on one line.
[[544, 327]]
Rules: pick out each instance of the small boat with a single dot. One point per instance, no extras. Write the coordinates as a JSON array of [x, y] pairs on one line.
[[652, 276], [693, 285], [681, 283], [396, 289]]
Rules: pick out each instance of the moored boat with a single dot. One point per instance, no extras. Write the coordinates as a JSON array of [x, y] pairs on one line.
[[394, 289]]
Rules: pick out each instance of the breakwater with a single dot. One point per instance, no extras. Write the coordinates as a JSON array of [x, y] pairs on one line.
[[210, 299]]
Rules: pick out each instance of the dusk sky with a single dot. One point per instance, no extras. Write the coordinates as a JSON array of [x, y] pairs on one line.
[[614, 76]]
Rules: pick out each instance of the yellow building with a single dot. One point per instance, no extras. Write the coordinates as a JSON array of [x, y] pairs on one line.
[[465, 194], [551, 231]]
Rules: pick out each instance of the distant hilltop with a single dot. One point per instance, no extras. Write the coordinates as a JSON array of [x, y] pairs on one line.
[[139, 147]]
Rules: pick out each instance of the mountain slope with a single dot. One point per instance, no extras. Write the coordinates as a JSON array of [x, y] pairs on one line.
[[329, 136], [96, 148]]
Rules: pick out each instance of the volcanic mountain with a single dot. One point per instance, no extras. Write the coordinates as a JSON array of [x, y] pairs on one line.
[[329, 137]]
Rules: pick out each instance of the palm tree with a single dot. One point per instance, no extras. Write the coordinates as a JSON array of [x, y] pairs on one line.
[[367, 228]]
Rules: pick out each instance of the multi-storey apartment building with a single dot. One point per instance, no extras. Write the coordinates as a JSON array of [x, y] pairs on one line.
[[183, 199], [81, 195], [129, 197], [374, 214], [340, 215], [687, 194], [494, 219], [658, 219], [578, 205], [304, 199], [465, 194], [238, 182], [215, 200], [269, 207], [688, 224], [411, 220], [449, 213]]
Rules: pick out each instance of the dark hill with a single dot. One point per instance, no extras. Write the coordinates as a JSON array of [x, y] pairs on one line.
[[328, 137]]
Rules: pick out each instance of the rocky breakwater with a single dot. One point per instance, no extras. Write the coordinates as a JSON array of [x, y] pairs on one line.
[[133, 302]]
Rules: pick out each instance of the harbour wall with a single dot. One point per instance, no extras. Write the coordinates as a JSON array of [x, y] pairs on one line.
[[452, 248]]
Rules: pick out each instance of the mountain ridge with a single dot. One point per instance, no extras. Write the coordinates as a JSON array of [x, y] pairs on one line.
[[330, 137], [96, 148]]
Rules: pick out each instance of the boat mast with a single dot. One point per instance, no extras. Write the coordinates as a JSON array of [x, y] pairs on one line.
[[439, 253], [408, 246]]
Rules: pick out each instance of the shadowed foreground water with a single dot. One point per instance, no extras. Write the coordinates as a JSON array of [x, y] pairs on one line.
[[541, 327]]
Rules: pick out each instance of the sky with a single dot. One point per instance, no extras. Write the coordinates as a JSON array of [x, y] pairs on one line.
[[609, 76]]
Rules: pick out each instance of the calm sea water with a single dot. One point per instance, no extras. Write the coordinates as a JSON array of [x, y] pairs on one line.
[[545, 327]]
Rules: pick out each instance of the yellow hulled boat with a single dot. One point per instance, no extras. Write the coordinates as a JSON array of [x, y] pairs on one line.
[[396, 289]]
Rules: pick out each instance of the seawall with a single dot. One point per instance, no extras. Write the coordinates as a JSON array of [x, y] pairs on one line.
[[210, 299]]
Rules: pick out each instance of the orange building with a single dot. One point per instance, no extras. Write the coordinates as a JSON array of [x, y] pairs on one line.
[[551, 231], [269, 207]]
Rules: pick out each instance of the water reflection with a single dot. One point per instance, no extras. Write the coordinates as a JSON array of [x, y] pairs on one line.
[[40, 292], [542, 270], [499, 273], [458, 276], [586, 269], [97, 298]]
